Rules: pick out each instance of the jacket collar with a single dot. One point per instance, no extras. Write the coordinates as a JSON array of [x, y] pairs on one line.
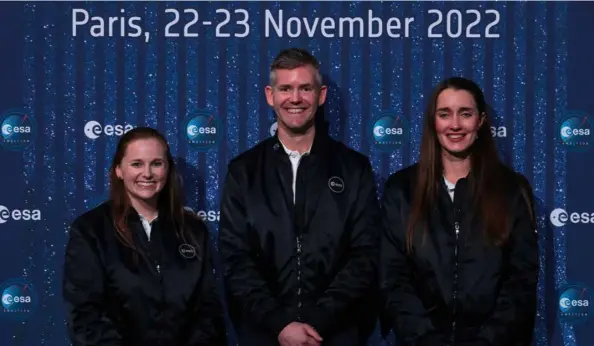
[[314, 179], [319, 146]]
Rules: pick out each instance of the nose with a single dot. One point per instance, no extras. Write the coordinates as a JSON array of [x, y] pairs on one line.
[[147, 172], [296, 96], [455, 124]]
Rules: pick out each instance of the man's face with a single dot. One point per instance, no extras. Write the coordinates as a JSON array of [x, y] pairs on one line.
[[295, 97]]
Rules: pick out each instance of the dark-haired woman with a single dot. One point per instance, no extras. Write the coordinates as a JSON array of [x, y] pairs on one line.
[[138, 268], [459, 249]]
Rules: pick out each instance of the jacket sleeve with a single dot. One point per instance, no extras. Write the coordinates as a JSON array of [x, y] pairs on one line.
[[207, 326], [403, 310], [83, 293], [244, 284], [516, 305], [358, 277]]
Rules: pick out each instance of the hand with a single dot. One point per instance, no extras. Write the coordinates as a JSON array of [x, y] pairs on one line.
[[315, 338], [299, 334]]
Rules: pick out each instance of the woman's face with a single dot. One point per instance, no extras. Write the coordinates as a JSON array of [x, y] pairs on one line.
[[144, 169], [457, 120]]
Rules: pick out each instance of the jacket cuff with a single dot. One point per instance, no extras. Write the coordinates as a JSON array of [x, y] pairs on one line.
[[319, 319], [276, 320]]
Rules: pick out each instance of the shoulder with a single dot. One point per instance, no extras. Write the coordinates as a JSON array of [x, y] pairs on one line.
[[344, 153], [194, 221], [195, 224], [514, 183], [404, 178], [248, 157], [94, 221], [399, 186], [519, 191]]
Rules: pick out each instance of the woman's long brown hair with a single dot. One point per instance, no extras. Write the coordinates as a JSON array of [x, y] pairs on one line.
[[169, 200], [485, 178]]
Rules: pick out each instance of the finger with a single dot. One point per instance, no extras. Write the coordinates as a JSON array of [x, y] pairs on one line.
[[312, 342], [313, 333]]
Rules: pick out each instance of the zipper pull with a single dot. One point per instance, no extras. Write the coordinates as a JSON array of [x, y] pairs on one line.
[[159, 269]]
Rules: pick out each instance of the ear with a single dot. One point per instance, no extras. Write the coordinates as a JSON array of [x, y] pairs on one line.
[[323, 92], [118, 172], [269, 97]]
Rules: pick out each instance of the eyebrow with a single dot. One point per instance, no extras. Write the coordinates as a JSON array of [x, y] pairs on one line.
[[157, 159], [300, 85], [461, 109]]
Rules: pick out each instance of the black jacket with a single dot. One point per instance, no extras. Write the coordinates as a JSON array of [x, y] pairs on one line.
[[315, 261], [114, 299], [460, 285]]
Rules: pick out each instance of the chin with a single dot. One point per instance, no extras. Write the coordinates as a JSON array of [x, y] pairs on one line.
[[300, 125], [457, 150], [146, 195]]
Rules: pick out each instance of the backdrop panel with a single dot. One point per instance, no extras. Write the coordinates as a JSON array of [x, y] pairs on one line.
[[72, 84]]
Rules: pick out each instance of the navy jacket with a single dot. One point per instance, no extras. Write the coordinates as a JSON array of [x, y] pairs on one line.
[[314, 260], [165, 296]]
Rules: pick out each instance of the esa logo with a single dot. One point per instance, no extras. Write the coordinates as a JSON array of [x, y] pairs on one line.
[[574, 303], [94, 129], [390, 131], [500, 131], [17, 130], [19, 214], [575, 132], [210, 215], [18, 299], [559, 217], [202, 130]]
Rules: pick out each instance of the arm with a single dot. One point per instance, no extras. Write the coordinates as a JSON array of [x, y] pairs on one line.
[[245, 286], [403, 310], [207, 320], [516, 305], [83, 284], [358, 277]]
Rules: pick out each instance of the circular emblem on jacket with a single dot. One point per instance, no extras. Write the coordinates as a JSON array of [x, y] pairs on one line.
[[336, 184], [187, 251]]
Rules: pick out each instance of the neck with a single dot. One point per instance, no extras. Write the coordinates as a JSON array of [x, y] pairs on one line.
[[300, 142], [148, 209], [455, 168]]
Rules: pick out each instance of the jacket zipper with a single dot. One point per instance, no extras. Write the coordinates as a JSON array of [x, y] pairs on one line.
[[455, 291], [158, 269], [299, 303], [161, 283], [299, 239]]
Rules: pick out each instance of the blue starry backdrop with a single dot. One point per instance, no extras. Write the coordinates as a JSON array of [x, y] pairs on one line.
[[72, 85]]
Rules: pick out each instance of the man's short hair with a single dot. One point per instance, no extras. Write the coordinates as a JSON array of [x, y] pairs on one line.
[[292, 58]]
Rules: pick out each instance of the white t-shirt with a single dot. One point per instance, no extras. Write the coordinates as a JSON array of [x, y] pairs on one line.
[[295, 158], [147, 225], [451, 187]]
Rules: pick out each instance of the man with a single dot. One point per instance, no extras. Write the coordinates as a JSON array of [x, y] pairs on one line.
[[299, 229]]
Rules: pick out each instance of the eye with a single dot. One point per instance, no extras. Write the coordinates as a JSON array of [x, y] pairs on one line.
[[136, 164], [158, 163], [467, 114], [307, 89], [442, 114], [284, 89]]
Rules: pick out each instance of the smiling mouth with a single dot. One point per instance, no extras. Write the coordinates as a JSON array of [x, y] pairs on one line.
[[295, 110], [455, 136], [146, 183]]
